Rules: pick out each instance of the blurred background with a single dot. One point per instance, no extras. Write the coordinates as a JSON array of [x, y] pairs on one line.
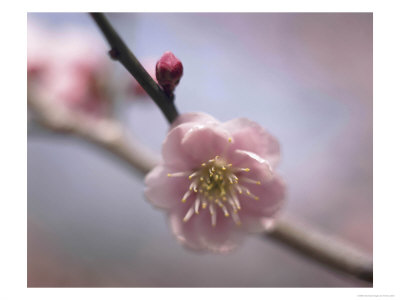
[[307, 78]]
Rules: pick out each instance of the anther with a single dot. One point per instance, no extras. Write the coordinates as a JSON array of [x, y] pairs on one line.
[[187, 194], [239, 189], [225, 211]]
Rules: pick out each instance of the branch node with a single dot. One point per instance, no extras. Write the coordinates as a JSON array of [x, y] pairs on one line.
[[114, 54]]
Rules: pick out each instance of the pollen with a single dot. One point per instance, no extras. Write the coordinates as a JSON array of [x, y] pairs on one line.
[[218, 185]]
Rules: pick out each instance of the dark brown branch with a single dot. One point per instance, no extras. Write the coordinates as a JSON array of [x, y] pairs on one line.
[[121, 52]]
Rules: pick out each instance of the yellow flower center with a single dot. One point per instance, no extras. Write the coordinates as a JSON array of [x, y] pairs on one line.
[[216, 184]]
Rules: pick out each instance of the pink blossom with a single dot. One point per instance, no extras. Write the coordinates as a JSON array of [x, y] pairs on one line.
[[67, 65], [216, 181]]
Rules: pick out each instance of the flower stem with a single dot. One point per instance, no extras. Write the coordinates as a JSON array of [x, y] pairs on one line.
[[119, 51]]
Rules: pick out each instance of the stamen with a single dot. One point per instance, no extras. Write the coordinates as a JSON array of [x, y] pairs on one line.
[[188, 214], [193, 174], [213, 215], [241, 170], [232, 204], [239, 189], [248, 193], [222, 190], [249, 180], [236, 200], [233, 179], [196, 205], [236, 219], [210, 186], [193, 186], [225, 211], [187, 194], [177, 174]]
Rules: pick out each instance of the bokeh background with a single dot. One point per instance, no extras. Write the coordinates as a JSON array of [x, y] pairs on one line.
[[307, 78]]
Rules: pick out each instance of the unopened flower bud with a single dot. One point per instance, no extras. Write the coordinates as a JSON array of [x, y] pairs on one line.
[[169, 71]]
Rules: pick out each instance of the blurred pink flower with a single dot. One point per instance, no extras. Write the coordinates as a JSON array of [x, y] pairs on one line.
[[216, 181], [67, 65]]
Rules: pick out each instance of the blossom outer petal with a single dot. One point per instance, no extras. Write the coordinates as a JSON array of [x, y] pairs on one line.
[[271, 197], [271, 190], [173, 152], [198, 233], [250, 136], [163, 191], [204, 142]]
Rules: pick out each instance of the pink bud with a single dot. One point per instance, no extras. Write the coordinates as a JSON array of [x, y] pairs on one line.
[[169, 71]]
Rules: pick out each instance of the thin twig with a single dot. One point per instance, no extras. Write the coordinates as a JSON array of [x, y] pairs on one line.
[[300, 238], [121, 52]]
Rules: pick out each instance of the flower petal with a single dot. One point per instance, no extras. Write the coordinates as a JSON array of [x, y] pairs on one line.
[[204, 142], [163, 191], [270, 195], [261, 182], [250, 136], [198, 233], [173, 153]]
